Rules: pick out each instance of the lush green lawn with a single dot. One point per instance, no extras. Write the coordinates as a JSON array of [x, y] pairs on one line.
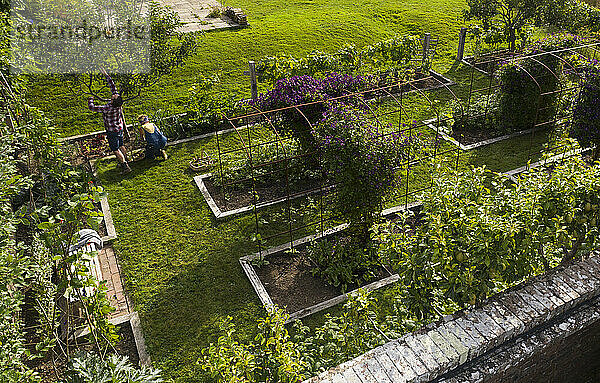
[[277, 26]]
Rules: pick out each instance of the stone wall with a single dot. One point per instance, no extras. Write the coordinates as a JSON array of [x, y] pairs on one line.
[[573, 359], [545, 330]]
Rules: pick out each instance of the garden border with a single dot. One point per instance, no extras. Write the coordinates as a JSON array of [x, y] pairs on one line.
[[513, 173], [136, 328], [476, 145], [263, 295], [219, 214], [111, 232]]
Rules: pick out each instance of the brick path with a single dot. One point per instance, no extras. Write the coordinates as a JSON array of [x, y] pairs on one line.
[[110, 273]]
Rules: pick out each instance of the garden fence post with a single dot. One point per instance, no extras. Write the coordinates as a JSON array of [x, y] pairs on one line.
[[253, 81], [462, 37], [426, 43]]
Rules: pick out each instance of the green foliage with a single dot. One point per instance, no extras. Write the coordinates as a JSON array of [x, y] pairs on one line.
[[15, 268], [527, 95], [570, 15], [480, 234], [391, 55], [344, 261], [482, 114], [271, 358], [343, 337], [48, 201], [208, 107], [507, 18], [90, 368], [356, 330]]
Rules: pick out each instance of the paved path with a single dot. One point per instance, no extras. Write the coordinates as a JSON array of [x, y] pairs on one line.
[[194, 14], [112, 276]]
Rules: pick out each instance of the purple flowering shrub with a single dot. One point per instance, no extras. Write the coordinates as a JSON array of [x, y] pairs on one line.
[[585, 125], [363, 163], [299, 90], [360, 160]]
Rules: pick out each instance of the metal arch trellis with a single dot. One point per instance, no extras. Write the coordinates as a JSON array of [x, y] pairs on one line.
[[396, 96]]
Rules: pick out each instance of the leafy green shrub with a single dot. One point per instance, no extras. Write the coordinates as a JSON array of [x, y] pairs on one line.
[[271, 358], [354, 332], [390, 55], [523, 100], [207, 107], [480, 234], [360, 327], [90, 368], [585, 124], [343, 261], [570, 15], [505, 18]]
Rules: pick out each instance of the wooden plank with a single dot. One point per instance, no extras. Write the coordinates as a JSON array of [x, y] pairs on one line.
[[136, 328], [199, 180], [111, 232], [257, 284]]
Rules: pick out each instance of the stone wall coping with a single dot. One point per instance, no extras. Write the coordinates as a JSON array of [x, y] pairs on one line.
[[456, 340]]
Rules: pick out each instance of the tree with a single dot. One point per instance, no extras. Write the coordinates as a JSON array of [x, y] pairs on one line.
[[509, 16], [168, 49], [136, 42]]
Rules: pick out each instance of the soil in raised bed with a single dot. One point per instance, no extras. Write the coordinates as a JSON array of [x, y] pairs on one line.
[[290, 283], [238, 197], [126, 345]]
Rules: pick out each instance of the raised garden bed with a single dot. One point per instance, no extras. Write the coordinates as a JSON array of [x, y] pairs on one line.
[[107, 227], [468, 140], [284, 279], [241, 201], [512, 174]]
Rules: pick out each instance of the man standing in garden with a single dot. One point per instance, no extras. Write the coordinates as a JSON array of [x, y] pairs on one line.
[[114, 123]]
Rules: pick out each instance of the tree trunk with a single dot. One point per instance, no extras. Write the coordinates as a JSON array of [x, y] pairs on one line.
[[512, 39]]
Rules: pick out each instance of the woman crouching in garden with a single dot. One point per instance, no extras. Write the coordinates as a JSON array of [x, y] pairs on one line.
[[155, 139]]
